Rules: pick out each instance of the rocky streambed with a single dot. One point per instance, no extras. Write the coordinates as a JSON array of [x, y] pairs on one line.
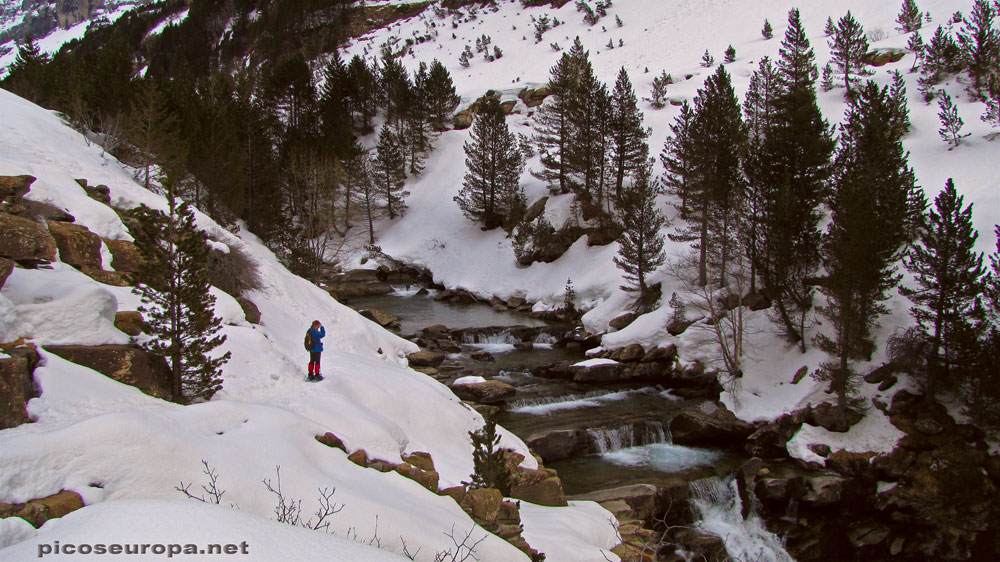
[[649, 440]]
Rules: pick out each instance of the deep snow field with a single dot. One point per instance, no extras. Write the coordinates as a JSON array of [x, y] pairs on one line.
[[125, 452], [670, 36]]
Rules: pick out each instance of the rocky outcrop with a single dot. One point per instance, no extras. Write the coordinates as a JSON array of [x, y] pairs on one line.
[[426, 358], [720, 428], [381, 317], [99, 193], [129, 321], [126, 364], [541, 486], [559, 444], [40, 510], [12, 188], [125, 257], [250, 310], [6, 268], [17, 385], [78, 246], [489, 392], [332, 441], [533, 97], [357, 283], [25, 240]]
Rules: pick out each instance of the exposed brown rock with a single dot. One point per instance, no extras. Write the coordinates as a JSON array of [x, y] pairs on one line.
[[6, 268], [16, 385], [381, 317], [14, 187], [426, 478], [359, 457], [25, 239], [127, 364], [125, 256], [559, 444], [331, 440], [426, 358], [541, 487], [250, 310], [129, 321], [420, 459], [483, 504], [489, 392], [720, 428]]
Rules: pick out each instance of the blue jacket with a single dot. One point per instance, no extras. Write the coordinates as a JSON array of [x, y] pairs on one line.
[[317, 338]]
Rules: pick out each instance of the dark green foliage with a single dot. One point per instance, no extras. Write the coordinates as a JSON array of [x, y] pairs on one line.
[[490, 461], [641, 250], [916, 46], [951, 123], [569, 297], [869, 209], [901, 115], [490, 192], [767, 31], [830, 28], [981, 44], [717, 140], [363, 91], [707, 60], [948, 274], [27, 73], [440, 93], [848, 49], [677, 158], [154, 131], [389, 173], [629, 150], [658, 96], [176, 303], [552, 127], [787, 166], [909, 19], [942, 56], [730, 54]]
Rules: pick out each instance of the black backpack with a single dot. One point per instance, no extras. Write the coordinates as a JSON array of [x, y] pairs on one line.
[[308, 342]]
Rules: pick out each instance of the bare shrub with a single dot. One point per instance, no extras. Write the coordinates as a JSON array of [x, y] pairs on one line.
[[234, 272]]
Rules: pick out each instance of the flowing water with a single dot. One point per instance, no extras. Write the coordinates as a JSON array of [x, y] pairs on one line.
[[718, 503], [626, 426]]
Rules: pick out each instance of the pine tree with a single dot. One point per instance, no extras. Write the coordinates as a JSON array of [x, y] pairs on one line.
[[951, 123], [588, 113], [909, 19], [641, 250], [389, 172], [553, 129], [848, 49], [948, 274], [730, 54], [396, 89], [827, 83], [869, 208], [441, 97], [569, 297], [830, 28], [172, 282], [490, 192], [677, 158], [658, 96], [363, 91], [787, 166], [629, 150], [767, 31], [707, 60], [981, 43], [916, 46], [941, 56], [368, 198], [417, 134], [718, 137], [901, 113], [489, 460], [336, 107], [991, 115], [26, 74], [154, 131]]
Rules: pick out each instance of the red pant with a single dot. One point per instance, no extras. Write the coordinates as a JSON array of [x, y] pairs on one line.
[[314, 362]]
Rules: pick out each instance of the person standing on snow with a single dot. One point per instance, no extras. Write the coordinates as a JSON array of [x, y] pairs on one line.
[[315, 338]]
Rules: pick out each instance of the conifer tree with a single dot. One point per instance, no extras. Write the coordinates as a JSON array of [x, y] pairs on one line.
[[916, 46], [417, 133], [901, 115], [553, 129], [869, 208], [759, 113], [389, 172], [951, 123], [718, 137], [490, 192], [154, 131], [909, 19], [787, 168], [707, 60], [368, 194], [981, 43], [677, 158], [335, 106], [396, 89], [730, 54], [827, 83], [830, 28], [489, 460], [941, 56], [172, 282], [588, 111], [26, 73], [363, 91], [848, 49], [948, 273], [767, 31], [641, 250], [441, 97], [629, 150], [658, 95]]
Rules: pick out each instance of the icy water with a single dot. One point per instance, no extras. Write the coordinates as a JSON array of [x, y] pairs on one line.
[[419, 311], [626, 426]]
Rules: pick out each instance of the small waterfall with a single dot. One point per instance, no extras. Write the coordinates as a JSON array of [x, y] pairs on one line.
[[502, 337], [544, 405], [629, 435], [718, 504], [544, 338]]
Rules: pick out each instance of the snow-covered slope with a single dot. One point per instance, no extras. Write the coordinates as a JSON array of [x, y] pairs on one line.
[[124, 452], [671, 37]]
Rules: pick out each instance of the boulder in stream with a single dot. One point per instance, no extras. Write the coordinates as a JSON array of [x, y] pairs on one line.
[[488, 392], [720, 428]]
